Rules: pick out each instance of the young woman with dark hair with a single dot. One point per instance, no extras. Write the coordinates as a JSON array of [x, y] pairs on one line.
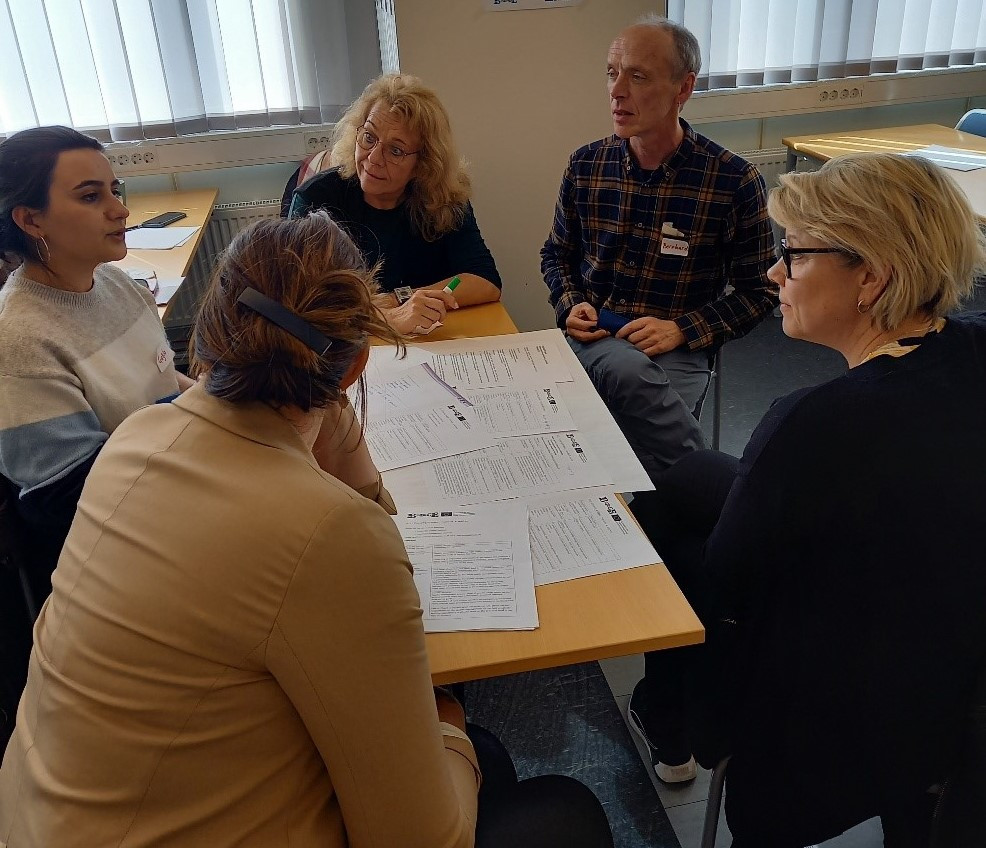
[[81, 344]]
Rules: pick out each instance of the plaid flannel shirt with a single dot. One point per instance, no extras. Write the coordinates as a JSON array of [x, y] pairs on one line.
[[605, 245]]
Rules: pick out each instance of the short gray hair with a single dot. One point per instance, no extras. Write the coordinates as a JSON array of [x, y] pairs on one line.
[[688, 55]]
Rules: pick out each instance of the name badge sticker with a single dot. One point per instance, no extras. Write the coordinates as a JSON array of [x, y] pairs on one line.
[[164, 357], [674, 247]]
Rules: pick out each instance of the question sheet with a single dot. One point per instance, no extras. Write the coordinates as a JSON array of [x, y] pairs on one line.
[[472, 566], [578, 534]]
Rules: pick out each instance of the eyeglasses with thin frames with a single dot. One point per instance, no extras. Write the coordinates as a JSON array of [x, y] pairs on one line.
[[393, 153], [786, 253]]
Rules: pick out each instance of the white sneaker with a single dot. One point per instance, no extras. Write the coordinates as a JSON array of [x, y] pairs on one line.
[[671, 774]]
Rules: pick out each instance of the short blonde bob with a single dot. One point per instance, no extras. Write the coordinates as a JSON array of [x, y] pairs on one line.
[[888, 211], [438, 194]]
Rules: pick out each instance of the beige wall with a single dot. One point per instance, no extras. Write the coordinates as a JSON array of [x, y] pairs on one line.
[[524, 89]]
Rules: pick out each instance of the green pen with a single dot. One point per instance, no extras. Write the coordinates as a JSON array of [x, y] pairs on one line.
[[452, 284]]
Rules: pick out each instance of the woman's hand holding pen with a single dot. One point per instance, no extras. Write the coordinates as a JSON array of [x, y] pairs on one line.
[[423, 309]]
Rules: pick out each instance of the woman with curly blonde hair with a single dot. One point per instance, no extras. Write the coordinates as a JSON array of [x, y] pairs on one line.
[[400, 189]]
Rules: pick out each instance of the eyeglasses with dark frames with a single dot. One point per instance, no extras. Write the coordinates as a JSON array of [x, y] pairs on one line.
[[786, 253], [393, 153]]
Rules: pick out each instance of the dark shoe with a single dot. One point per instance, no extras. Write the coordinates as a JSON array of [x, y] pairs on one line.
[[670, 752]]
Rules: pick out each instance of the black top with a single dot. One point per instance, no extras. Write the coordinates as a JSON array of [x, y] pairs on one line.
[[850, 555], [388, 234]]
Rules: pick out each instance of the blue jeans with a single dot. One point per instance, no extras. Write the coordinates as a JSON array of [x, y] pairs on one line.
[[652, 398]]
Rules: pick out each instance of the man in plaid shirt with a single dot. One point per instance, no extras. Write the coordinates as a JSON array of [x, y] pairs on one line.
[[653, 223]]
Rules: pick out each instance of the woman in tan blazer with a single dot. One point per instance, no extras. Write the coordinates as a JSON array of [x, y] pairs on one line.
[[233, 651]]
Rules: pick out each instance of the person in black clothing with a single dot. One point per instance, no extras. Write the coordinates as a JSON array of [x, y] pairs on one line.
[[838, 566], [400, 190]]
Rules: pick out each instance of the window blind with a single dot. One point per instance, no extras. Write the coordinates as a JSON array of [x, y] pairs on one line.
[[131, 69], [764, 42]]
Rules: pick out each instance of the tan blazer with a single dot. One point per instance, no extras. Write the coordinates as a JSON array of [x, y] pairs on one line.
[[232, 655]]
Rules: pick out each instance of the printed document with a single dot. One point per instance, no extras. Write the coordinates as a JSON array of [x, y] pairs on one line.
[[472, 567], [502, 361], [578, 534], [951, 157], [521, 412], [159, 238], [424, 435], [413, 388], [512, 468]]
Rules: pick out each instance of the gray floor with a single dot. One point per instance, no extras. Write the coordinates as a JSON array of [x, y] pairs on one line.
[[569, 721]]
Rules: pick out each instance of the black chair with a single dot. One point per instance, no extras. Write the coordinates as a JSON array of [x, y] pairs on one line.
[[715, 383], [960, 810], [18, 610]]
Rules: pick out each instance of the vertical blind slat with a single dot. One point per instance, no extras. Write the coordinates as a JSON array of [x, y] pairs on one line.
[[131, 69]]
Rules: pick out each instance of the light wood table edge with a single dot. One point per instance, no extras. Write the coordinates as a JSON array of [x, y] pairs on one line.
[[602, 652]]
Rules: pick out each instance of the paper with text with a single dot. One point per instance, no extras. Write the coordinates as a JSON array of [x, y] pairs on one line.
[[521, 412], [596, 428], [472, 567], [424, 435], [578, 534], [505, 364], [951, 157], [159, 238], [513, 468], [413, 388]]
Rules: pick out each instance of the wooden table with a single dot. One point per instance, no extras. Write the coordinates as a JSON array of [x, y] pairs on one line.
[[592, 618], [895, 140], [196, 204]]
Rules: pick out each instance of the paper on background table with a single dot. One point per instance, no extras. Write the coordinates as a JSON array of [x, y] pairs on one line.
[[951, 157], [502, 361], [423, 435], [513, 468], [578, 534], [472, 566], [159, 238], [521, 412], [597, 429], [166, 288]]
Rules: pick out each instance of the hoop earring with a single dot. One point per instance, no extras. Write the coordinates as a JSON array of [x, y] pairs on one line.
[[47, 259], [861, 308]]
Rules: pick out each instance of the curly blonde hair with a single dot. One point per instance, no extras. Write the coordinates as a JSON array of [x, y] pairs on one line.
[[438, 194], [890, 211]]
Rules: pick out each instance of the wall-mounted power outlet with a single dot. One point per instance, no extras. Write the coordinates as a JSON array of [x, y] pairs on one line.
[[317, 141], [833, 94], [132, 159]]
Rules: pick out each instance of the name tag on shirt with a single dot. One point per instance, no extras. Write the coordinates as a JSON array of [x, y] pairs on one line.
[[674, 247], [164, 357]]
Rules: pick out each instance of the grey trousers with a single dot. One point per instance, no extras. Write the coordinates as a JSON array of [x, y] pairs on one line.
[[652, 398]]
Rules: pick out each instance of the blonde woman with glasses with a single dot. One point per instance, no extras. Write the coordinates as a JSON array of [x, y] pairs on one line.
[[838, 566], [399, 188]]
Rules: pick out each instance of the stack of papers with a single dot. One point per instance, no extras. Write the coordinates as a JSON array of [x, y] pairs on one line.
[[159, 238], [504, 464], [951, 157]]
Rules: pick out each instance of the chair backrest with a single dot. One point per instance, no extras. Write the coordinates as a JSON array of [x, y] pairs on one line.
[[973, 121], [17, 612], [960, 816]]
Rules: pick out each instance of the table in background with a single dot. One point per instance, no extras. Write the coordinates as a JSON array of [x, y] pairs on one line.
[[196, 204], [591, 618], [896, 140]]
